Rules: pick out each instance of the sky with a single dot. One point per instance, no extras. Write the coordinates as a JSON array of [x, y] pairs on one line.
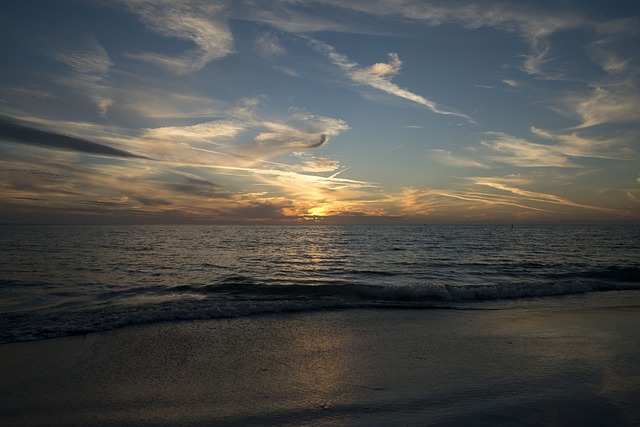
[[302, 111]]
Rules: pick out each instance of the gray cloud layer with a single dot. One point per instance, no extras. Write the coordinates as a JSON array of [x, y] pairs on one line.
[[14, 132]]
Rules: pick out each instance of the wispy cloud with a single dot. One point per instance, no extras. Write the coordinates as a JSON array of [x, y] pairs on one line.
[[612, 34], [535, 25], [492, 199], [523, 153], [633, 198], [394, 148], [90, 59], [577, 144], [244, 136], [90, 64], [208, 132], [534, 196], [465, 204], [610, 100], [292, 17], [612, 104], [297, 131], [447, 158], [378, 76], [314, 164], [542, 148], [288, 71], [162, 104], [530, 23], [269, 45], [202, 23]]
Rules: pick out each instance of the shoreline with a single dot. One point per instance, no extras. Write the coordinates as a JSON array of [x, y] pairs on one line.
[[361, 366], [32, 325]]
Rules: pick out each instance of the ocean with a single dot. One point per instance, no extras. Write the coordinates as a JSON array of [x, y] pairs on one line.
[[61, 280]]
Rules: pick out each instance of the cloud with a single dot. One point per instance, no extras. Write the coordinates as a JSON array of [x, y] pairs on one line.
[[297, 194], [18, 133], [295, 132], [245, 132], [381, 70], [537, 196], [196, 186], [632, 197], [202, 23], [609, 101], [562, 150], [466, 204], [520, 152], [531, 24], [243, 137], [208, 132], [576, 145], [447, 158], [397, 147], [378, 76], [290, 138], [534, 24], [90, 64], [292, 182], [263, 210], [269, 46], [614, 33], [490, 199], [90, 60], [292, 17], [64, 182], [288, 71], [314, 164], [269, 144], [611, 62], [612, 104], [162, 104]]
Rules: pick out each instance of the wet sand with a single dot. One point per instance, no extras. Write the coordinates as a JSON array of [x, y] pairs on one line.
[[577, 366]]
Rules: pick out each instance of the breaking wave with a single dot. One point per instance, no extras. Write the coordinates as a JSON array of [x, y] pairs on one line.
[[228, 300]]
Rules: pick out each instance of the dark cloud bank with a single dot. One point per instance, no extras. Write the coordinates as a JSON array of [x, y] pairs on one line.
[[15, 132]]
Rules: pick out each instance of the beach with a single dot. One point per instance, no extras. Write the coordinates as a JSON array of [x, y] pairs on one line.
[[576, 365]]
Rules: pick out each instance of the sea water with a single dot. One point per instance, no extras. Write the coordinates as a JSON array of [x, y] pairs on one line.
[[58, 280]]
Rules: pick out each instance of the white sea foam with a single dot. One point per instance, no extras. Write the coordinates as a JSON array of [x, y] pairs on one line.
[[441, 292]]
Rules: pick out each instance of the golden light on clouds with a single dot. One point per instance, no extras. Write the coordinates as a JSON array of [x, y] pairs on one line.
[[188, 117]]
